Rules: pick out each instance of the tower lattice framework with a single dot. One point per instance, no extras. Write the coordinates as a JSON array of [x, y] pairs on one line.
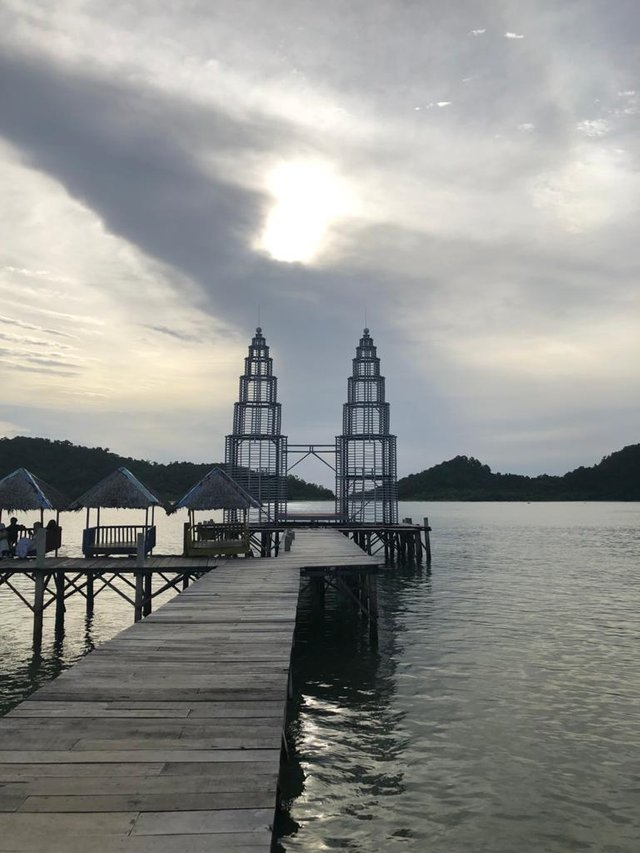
[[256, 451], [366, 470]]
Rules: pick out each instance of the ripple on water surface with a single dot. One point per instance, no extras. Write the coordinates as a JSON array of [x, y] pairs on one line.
[[498, 712]]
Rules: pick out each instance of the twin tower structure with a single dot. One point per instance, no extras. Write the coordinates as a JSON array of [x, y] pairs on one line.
[[365, 453]]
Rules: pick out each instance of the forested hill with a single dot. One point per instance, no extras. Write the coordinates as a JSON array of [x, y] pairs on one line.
[[615, 478], [73, 469]]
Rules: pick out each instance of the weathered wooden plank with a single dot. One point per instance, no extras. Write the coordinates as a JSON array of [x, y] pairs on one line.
[[142, 801], [11, 802], [113, 692], [145, 756], [75, 710], [20, 771], [245, 740], [75, 842], [144, 710], [220, 777], [195, 822], [183, 727], [155, 665], [51, 826]]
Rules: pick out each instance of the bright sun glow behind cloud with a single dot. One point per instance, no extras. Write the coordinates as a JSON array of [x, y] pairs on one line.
[[308, 198]]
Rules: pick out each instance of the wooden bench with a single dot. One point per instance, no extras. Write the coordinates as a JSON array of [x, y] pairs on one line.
[[216, 540], [117, 539]]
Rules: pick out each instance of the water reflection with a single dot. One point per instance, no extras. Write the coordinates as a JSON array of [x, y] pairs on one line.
[[25, 664], [30, 673], [348, 738]]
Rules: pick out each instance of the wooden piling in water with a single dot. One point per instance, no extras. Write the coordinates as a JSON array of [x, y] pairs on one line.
[[148, 593], [427, 540], [139, 592], [60, 606], [373, 607], [89, 594], [40, 579], [38, 606]]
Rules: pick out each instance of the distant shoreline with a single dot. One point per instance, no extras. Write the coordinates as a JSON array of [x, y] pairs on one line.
[[614, 478], [73, 468]]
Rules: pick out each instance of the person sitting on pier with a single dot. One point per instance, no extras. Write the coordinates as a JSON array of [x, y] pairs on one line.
[[52, 542], [26, 546], [12, 534]]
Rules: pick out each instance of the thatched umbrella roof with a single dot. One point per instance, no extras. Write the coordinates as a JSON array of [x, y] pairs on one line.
[[217, 490], [21, 491], [120, 490]]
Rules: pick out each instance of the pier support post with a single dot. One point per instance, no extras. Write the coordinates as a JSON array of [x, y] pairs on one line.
[[317, 582], [419, 549], [60, 606], [38, 607], [39, 586], [148, 592], [137, 608], [373, 607], [89, 594], [427, 540]]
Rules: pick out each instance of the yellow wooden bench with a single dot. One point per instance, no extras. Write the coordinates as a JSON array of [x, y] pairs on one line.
[[216, 540]]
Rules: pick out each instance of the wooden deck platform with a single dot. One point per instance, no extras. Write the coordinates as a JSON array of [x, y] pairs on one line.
[[167, 737], [102, 564]]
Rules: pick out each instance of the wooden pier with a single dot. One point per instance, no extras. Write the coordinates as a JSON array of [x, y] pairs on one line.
[[168, 737]]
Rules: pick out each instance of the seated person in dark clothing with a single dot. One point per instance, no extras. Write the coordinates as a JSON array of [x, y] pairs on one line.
[[12, 534], [53, 536]]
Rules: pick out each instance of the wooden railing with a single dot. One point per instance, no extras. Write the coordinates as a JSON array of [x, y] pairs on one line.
[[117, 539], [210, 540]]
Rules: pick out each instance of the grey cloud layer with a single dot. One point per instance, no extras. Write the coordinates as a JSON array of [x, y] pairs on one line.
[[473, 201]]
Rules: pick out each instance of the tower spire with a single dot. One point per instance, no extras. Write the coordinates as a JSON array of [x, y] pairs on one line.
[[255, 452], [366, 472]]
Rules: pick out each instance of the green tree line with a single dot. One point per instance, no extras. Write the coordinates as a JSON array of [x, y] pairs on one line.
[[615, 478], [73, 469]]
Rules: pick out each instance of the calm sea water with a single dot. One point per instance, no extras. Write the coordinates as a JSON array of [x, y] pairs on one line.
[[499, 710]]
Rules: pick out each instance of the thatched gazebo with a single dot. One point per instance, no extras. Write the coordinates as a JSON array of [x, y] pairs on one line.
[[216, 490], [120, 490], [22, 491]]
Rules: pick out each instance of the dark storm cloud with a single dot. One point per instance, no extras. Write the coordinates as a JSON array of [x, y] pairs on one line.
[[131, 155], [125, 153]]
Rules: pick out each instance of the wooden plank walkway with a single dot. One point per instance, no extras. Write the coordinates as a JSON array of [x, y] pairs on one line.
[[167, 738]]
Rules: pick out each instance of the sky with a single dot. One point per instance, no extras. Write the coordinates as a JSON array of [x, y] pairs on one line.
[[462, 178]]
